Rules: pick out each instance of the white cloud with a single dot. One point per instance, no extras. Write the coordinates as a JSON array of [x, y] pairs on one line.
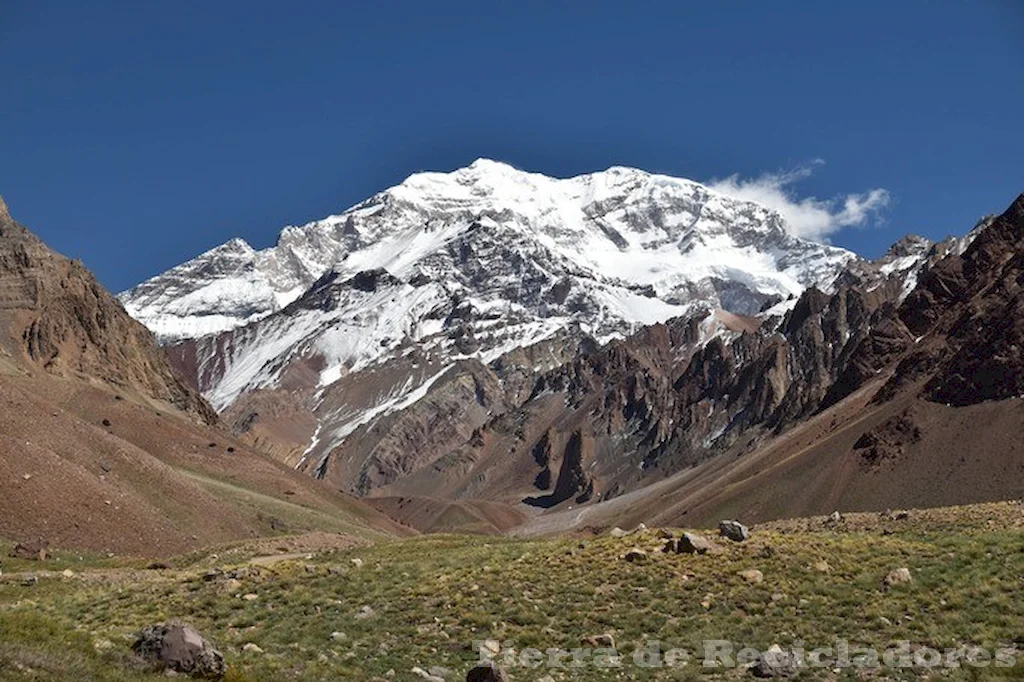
[[806, 217]]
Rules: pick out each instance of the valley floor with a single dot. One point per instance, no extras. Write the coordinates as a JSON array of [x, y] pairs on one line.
[[322, 612]]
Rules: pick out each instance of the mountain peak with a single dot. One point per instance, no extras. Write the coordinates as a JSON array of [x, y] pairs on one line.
[[5, 214], [234, 246], [506, 236], [484, 164]]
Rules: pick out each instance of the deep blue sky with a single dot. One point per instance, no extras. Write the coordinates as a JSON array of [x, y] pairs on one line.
[[135, 135]]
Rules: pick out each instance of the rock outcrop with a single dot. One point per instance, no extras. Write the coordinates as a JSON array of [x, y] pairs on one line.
[[54, 315]]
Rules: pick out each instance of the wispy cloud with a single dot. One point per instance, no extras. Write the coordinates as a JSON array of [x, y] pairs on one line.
[[807, 217]]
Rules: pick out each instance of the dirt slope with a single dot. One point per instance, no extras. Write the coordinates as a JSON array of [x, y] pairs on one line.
[[102, 445]]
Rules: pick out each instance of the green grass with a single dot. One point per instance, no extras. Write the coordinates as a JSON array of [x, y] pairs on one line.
[[433, 596], [295, 516]]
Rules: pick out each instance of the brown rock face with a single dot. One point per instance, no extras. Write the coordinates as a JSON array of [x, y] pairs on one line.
[[574, 481], [961, 331], [667, 398], [384, 452], [55, 315]]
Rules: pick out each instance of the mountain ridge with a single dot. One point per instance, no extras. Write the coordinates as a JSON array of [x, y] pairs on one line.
[[555, 209], [447, 267]]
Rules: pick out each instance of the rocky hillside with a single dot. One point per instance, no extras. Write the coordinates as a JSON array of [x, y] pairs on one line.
[[54, 315], [104, 447], [890, 404], [867, 370]]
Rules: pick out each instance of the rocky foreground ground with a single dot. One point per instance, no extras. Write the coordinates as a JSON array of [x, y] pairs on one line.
[[422, 609]]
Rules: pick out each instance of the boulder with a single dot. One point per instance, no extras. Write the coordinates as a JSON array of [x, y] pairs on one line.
[[691, 543], [488, 671], [181, 649], [734, 530], [618, 532], [636, 556]]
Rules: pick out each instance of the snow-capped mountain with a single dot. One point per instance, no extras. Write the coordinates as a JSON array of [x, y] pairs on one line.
[[635, 234], [354, 317]]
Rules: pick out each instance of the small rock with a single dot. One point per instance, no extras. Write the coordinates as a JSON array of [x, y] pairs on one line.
[[636, 556], [338, 636], [357, 562], [27, 477], [618, 532], [641, 528], [607, 641], [885, 621], [822, 566], [775, 663], [691, 543], [232, 585], [364, 613], [251, 648], [30, 581], [488, 671], [900, 576], [666, 534], [752, 575], [734, 530], [490, 648], [420, 672], [106, 422], [68, 573], [252, 596], [834, 518]]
